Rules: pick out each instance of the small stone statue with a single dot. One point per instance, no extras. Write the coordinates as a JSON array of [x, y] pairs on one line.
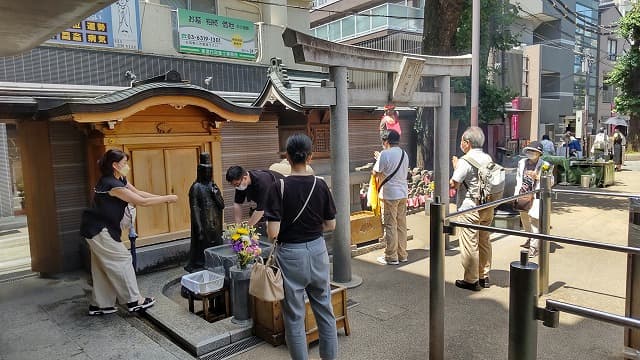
[[206, 204]]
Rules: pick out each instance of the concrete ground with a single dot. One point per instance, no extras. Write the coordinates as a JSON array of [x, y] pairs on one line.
[[47, 317], [14, 245]]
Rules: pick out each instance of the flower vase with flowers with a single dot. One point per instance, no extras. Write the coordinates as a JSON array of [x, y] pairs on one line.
[[245, 243]]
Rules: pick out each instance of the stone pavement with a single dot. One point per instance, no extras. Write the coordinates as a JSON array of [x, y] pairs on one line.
[[47, 317]]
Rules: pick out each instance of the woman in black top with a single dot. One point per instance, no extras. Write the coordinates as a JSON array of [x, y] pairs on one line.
[[111, 269], [617, 149], [297, 215]]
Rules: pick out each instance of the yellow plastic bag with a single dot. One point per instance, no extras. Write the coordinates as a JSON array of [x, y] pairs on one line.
[[373, 198]]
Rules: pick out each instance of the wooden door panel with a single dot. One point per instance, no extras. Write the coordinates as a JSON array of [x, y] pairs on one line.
[[181, 169], [148, 174]]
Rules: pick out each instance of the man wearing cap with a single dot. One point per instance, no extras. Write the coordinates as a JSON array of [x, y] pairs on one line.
[[475, 245], [391, 169], [390, 120], [528, 179], [573, 145]]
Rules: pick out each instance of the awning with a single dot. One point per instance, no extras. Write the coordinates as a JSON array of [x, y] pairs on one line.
[[28, 23]]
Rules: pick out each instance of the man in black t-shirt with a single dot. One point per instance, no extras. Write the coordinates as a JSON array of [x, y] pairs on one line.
[[250, 185]]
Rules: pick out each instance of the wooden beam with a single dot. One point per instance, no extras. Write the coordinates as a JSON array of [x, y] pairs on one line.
[[314, 51], [40, 200]]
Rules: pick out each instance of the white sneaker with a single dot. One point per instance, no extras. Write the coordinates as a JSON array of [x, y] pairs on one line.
[[404, 260], [382, 260]]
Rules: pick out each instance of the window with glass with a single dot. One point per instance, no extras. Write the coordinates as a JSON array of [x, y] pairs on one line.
[[334, 31], [379, 18], [612, 49], [397, 16], [208, 6], [322, 32], [348, 26], [363, 22]]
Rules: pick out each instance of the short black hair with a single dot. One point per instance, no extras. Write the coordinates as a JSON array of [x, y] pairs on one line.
[[235, 173], [106, 162], [545, 137], [391, 136]]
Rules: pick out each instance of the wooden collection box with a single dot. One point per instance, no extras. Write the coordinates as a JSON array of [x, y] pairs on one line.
[[365, 226], [269, 325]]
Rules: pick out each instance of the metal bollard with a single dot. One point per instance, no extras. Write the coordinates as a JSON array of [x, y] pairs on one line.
[[545, 228], [436, 281], [523, 304], [632, 305]]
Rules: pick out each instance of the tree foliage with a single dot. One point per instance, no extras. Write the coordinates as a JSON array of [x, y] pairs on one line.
[[448, 31], [626, 75]]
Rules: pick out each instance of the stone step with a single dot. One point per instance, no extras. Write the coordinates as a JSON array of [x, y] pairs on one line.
[[22, 264], [14, 240]]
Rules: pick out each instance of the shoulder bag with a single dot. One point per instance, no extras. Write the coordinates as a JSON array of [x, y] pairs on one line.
[[525, 203], [393, 173], [266, 281]]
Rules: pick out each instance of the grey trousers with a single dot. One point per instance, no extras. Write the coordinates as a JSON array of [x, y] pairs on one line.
[[305, 269]]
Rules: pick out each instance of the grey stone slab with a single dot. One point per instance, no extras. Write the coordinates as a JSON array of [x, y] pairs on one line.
[[103, 337], [172, 315], [382, 312], [150, 258]]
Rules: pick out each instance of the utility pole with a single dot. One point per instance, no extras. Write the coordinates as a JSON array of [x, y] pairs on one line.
[[475, 62], [587, 60]]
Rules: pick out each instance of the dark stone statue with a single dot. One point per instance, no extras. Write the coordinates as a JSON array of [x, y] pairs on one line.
[[206, 204]]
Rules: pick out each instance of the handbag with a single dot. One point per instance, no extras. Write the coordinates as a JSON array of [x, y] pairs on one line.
[[525, 203], [266, 281]]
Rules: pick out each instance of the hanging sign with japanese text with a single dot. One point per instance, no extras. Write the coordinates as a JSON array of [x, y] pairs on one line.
[[207, 34], [115, 26], [515, 126]]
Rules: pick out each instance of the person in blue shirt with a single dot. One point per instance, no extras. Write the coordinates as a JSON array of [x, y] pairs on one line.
[[575, 149]]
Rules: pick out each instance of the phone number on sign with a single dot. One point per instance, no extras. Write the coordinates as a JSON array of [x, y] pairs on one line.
[[203, 38]]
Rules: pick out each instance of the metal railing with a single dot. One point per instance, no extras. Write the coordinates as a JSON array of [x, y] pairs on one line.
[[526, 282]]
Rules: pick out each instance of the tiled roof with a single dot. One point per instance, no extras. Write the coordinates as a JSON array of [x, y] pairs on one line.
[[124, 98], [284, 85]]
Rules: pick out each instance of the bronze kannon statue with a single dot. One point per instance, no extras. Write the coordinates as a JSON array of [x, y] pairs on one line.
[[206, 205]]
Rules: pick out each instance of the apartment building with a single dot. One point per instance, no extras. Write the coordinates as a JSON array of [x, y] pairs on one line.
[[610, 48]]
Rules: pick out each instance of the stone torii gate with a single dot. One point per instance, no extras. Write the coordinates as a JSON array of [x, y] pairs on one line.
[[404, 72]]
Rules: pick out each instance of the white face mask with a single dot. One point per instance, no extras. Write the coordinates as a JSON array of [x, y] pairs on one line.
[[124, 170], [241, 187]]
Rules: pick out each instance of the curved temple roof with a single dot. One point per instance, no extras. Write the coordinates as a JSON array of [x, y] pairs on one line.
[[151, 94]]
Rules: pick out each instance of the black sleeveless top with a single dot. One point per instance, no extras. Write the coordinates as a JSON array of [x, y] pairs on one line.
[[107, 210]]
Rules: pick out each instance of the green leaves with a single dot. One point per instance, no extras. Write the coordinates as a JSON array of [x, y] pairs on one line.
[[626, 73]]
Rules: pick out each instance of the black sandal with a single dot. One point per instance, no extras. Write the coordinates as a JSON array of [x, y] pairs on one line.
[[135, 306]]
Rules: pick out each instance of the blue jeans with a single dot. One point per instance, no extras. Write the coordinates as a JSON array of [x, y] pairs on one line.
[[305, 268]]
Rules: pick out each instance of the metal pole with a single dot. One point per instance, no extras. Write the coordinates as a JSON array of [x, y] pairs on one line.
[[585, 118], [339, 132], [632, 303], [523, 301], [593, 314], [560, 239], [545, 228], [475, 62], [442, 143], [436, 281], [608, 194]]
